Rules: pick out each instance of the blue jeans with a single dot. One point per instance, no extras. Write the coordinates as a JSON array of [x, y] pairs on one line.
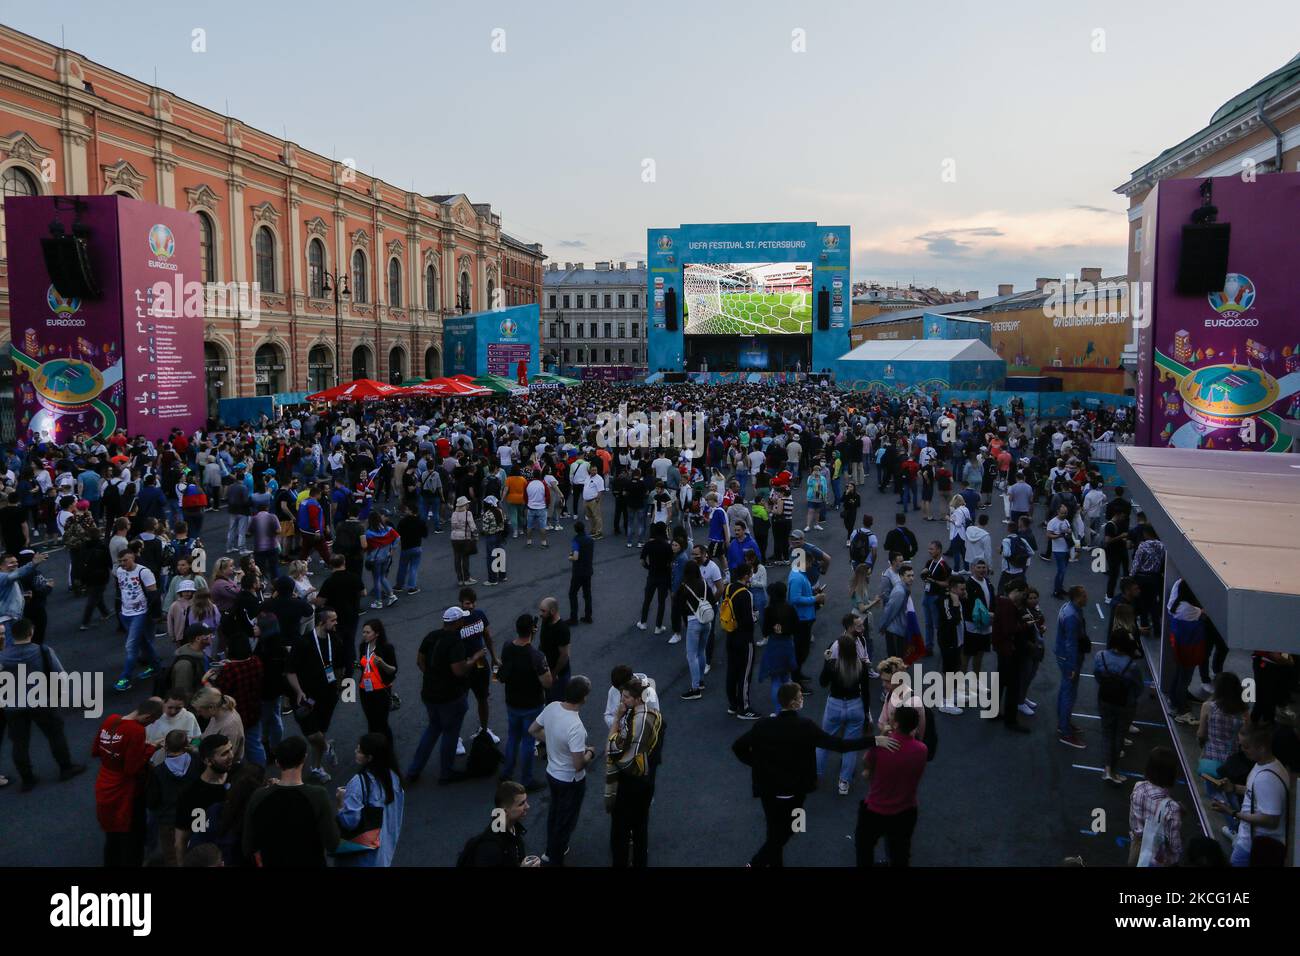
[[379, 573], [408, 567], [433, 510], [519, 743], [272, 723], [957, 551], [930, 603], [697, 635], [139, 643], [743, 478], [1239, 857], [1062, 559], [254, 752], [1065, 696], [837, 491], [636, 526], [849, 716], [562, 820], [444, 722]]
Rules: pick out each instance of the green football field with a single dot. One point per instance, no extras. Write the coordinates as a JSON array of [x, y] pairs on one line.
[[754, 313]]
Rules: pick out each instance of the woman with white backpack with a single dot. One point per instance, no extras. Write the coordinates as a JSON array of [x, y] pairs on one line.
[[1155, 818], [694, 595]]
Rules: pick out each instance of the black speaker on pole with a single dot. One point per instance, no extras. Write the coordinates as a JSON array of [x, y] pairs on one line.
[[823, 310], [1203, 259], [670, 309], [67, 260]]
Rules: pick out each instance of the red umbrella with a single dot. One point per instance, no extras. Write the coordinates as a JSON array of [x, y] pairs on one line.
[[361, 389], [467, 379], [446, 388]]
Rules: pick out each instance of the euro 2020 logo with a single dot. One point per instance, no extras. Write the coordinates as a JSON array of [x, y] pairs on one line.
[[59, 305], [831, 240], [161, 241], [665, 243], [508, 328], [1238, 294]]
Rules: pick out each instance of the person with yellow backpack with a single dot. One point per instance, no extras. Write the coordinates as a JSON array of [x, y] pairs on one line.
[[736, 617]]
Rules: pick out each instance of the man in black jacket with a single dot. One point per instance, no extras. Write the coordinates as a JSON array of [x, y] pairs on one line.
[[502, 842], [782, 753], [900, 539]]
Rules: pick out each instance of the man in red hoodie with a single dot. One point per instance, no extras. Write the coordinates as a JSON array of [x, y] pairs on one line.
[[119, 788]]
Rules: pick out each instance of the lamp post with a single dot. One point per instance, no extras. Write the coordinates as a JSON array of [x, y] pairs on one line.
[[336, 284], [559, 351]]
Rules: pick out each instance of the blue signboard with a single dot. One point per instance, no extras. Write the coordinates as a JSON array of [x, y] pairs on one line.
[[492, 343]]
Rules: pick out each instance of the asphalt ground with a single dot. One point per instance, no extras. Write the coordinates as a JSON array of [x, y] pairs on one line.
[[989, 798]]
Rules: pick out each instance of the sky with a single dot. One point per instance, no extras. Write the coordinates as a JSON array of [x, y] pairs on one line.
[[965, 144]]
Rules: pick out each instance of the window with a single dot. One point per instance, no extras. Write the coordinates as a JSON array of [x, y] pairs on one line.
[[395, 282], [582, 356], [554, 330], [595, 301], [491, 294], [609, 330], [636, 300], [608, 300], [360, 362], [268, 368], [566, 356], [566, 330], [207, 247], [360, 284], [635, 353], [1137, 238], [430, 288], [432, 362], [622, 331], [316, 270], [464, 292], [320, 368], [566, 301], [579, 330], [264, 260], [396, 366], [552, 301], [634, 328], [622, 301], [620, 356], [607, 360], [18, 182]]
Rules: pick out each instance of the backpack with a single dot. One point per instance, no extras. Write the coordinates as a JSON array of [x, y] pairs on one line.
[[1111, 687], [980, 617], [727, 609], [162, 683], [860, 546], [1021, 552], [484, 757], [703, 612]]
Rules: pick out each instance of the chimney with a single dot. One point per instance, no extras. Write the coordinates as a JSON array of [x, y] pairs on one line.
[[602, 266], [622, 267], [1041, 283], [972, 295], [1005, 288], [1090, 274], [640, 263]]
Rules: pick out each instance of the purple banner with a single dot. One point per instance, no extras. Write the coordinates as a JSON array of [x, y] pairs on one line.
[[1222, 370], [611, 373]]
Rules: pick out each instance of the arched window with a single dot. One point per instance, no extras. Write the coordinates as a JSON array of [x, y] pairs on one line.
[[464, 292], [491, 294], [268, 369], [360, 362], [396, 365], [207, 247], [394, 282], [320, 368], [360, 287], [316, 269], [430, 288], [432, 363], [15, 181], [264, 254], [216, 374]]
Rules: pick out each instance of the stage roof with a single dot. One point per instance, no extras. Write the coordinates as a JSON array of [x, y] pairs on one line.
[[1228, 521], [922, 350]]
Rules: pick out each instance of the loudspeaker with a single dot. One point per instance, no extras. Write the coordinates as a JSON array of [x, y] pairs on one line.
[[67, 260], [670, 309], [1203, 259], [823, 311]]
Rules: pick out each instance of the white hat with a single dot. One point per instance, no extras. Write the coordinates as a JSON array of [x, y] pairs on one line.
[[453, 614], [490, 500], [186, 586], [462, 501]]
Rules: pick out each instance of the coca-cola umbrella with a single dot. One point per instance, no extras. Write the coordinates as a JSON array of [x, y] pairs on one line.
[[360, 390], [445, 388]]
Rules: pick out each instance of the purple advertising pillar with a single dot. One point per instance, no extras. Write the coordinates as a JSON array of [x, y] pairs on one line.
[[1222, 370], [73, 373]]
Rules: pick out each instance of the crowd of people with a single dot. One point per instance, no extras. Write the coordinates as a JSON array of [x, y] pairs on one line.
[[332, 511]]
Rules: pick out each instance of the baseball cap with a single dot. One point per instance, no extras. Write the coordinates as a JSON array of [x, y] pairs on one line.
[[453, 614], [195, 630], [796, 534]]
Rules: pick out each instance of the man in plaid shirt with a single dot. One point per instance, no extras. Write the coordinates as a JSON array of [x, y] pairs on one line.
[[240, 676], [1152, 806], [1148, 569]]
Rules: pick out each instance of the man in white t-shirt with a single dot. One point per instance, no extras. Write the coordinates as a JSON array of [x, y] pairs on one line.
[[135, 583], [560, 728], [536, 494], [1059, 533], [1261, 830], [592, 489], [661, 466]]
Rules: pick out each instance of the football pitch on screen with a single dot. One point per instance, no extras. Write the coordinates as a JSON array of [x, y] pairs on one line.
[[752, 313]]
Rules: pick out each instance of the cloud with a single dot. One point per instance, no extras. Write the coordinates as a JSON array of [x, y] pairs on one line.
[[943, 242], [1101, 209], [571, 244]]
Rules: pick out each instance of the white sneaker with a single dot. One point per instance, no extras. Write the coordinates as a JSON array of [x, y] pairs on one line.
[[843, 788], [392, 599], [807, 527], [1134, 729], [1033, 704], [950, 710], [1026, 710], [495, 738], [376, 605], [460, 747], [659, 630], [819, 527], [675, 639], [707, 668], [640, 626]]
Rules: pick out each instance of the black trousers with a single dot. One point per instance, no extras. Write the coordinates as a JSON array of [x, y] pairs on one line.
[[761, 529], [802, 645], [579, 583], [376, 705], [629, 824], [50, 723], [781, 538], [127, 849], [94, 600], [1114, 571], [740, 667], [896, 828], [655, 586], [779, 817], [1010, 667], [620, 511]]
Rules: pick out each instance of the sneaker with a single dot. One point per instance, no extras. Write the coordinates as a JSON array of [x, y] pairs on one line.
[[528, 543], [1072, 740], [731, 712], [545, 544], [807, 527], [693, 693], [331, 756], [319, 775], [760, 642], [707, 668], [460, 747], [659, 629], [628, 545], [392, 599], [122, 685], [489, 584], [640, 626], [1128, 741], [495, 738], [379, 605], [749, 715], [950, 710], [1134, 729], [146, 673], [1026, 710], [675, 639], [1188, 719], [818, 527], [1227, 831], [412, 590], [843, 788], [1113, 777], [1032, 704], [471, 581]]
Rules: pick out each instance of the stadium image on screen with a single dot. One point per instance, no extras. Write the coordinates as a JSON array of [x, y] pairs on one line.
[[730, 298]]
